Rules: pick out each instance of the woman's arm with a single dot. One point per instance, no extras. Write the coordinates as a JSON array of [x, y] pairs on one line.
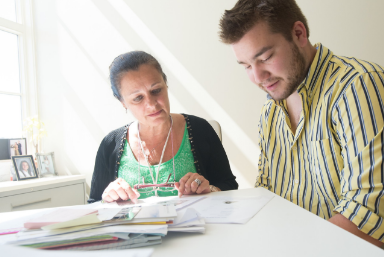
[[210, 154], [219, 170], [100, 177]]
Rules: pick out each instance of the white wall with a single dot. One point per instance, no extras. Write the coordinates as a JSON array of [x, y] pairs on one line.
[[77, 40]]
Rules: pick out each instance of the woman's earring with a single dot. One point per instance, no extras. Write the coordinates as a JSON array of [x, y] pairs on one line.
[[126, 111]]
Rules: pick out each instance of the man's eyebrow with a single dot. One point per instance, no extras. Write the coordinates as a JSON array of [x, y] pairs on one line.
[[263, 50]]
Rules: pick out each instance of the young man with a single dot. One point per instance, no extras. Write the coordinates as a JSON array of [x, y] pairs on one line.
[[321, 129]]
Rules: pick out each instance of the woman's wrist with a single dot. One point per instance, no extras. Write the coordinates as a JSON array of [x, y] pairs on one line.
[[214, 189]]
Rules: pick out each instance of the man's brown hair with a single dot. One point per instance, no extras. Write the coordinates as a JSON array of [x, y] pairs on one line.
[[279, 15]]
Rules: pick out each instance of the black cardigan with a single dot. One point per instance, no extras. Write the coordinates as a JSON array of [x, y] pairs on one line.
[[211, 160]]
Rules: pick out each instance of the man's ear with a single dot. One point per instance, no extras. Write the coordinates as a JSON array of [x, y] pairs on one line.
[[299, 34]]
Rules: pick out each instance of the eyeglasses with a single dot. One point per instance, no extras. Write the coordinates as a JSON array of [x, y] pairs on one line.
[[146, 188]]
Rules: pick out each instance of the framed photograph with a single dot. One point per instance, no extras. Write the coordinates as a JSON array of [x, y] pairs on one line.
[[24, 167], [17, 146], [47, 165]]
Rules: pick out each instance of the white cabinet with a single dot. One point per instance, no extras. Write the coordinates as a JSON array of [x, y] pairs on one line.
[[42, 193]]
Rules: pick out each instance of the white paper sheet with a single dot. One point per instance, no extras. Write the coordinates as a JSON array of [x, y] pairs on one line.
[[221, 209], [187, 220], [185, 216], [180, 203]]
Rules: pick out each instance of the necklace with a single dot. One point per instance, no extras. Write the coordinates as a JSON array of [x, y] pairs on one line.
[[161, 158], [153, 149]]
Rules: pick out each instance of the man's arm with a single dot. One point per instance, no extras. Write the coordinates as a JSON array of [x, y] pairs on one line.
[[341, 221], [263, 179], [358, 118]]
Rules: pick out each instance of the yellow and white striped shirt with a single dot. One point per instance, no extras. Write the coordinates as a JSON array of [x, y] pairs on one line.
[[334, 161]]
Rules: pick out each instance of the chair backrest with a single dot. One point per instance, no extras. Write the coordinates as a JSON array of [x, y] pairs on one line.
[[216, 126]]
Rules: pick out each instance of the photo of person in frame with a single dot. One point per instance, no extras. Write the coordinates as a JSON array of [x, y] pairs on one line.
[[46, 163], [25, 170], [25, 167], [17, 146]]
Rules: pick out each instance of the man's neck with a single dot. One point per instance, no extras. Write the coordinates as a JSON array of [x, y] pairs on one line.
[[294, 107], [294, 104]]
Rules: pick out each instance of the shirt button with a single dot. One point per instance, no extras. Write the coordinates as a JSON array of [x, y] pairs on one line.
[[317, 170], [294, 148], [297, 181]]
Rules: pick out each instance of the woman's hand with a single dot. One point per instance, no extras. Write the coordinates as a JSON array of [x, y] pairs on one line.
[[188, 186], [120, 190]]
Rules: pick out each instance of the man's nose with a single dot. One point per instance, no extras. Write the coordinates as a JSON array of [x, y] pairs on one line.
[[259, 74]]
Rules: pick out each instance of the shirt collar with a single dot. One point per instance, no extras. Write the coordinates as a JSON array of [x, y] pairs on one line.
[[319, 63], [316, 70]]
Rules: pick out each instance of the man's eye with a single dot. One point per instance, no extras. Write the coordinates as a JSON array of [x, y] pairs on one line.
[[247, 67], [267, 59], [138, 99], [156, 91]]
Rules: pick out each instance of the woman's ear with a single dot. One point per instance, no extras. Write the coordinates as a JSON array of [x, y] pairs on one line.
[[125, 107]]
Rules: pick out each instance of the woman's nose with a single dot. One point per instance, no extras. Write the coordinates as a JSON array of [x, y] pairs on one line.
[[151, 101]]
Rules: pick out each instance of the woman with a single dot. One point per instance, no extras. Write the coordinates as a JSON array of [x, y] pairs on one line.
[[24, 170], [160, 147]]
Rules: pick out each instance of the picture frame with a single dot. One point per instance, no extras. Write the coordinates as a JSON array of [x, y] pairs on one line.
[[24, 167], [17, 146], [46, 163]]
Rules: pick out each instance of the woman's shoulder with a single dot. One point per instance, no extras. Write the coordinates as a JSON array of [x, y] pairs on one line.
[[115, 135], [199, 126], [195, 119]]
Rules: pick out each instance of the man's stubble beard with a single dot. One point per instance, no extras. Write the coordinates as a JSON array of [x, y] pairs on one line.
[[296, 75]]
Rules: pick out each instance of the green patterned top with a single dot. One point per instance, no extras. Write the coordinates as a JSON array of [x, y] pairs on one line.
[[184, 163]]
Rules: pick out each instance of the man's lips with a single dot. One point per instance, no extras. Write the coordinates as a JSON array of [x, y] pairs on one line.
[[155, 114], [271, 85]]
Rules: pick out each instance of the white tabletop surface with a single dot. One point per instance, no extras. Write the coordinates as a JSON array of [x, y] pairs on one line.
[[279, 229]]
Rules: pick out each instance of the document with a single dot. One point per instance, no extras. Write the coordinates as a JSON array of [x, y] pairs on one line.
[[180, 203], [224, 210], [187, 220]]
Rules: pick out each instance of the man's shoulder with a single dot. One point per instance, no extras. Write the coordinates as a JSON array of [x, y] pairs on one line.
[[351, 66]]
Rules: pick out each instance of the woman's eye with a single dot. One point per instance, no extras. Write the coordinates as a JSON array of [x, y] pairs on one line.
[[138, 99], [247, 67], [156, 91]]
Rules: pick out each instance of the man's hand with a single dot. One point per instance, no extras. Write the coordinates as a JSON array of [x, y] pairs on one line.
[[341, 221]]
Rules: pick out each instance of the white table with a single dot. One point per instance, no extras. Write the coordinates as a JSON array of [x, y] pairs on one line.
[[279, 229]]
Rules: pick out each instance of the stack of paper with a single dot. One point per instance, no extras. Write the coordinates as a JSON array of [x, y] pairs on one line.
[[97, 228], [125, 225]]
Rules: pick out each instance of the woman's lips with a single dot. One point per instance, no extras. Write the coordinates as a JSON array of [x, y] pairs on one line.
[[155, 114]]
